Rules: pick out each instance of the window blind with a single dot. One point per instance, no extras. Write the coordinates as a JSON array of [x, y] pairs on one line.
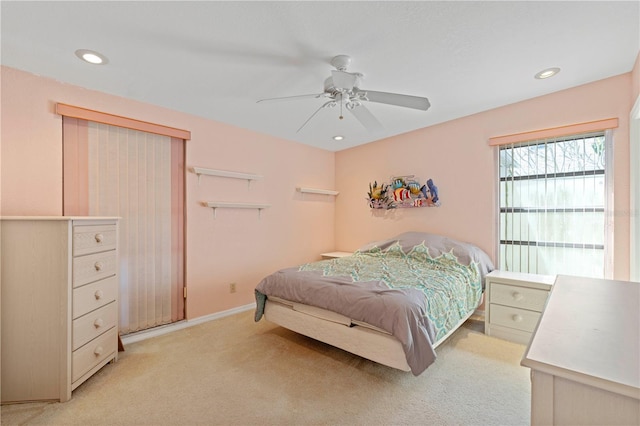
[[552, 205], [139, 176]]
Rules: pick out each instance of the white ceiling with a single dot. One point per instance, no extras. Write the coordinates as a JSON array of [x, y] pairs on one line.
[[216, 59]]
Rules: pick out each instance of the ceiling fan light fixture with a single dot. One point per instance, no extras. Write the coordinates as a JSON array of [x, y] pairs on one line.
[[338, 138], [546, 73], [92, 57]]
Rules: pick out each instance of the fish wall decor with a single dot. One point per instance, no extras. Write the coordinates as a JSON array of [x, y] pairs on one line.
[[402, 192]]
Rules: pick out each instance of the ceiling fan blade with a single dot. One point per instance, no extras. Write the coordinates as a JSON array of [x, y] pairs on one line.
[[407, 101], [325, 105], [343, 80], [290, 98], [364, 116]]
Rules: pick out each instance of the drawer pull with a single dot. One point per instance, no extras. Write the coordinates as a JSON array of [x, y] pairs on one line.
[[517, 318], [517, 296], [98, 266], [98, 351], [98, 294], [98, 323], [99, 238]]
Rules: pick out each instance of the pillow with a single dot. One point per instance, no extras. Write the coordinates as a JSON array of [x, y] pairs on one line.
[[437, 244]]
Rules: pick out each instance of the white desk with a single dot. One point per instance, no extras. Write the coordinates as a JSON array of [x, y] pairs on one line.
[[585, 354]]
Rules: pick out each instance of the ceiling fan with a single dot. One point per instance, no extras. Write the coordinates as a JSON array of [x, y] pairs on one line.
[[342, 89]]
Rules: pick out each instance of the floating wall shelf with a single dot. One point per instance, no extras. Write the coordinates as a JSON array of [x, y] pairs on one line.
[[224, 173], [317, 191], [224, 205]]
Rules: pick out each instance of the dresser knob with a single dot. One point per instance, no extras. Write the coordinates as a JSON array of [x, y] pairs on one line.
[[98, 323], [517, 296], [98, 266], [98, 351], [99, 238], [517, 318], [98, 294]]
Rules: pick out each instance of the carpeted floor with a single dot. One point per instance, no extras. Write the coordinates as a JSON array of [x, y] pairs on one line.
[[233, 371]]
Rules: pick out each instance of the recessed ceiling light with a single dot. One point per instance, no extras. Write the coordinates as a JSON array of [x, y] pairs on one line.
[[549, 72], [338, 138], [91, 56]]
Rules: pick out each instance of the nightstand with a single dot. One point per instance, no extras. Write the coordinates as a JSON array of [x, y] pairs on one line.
[[515, 301], [335, 254]]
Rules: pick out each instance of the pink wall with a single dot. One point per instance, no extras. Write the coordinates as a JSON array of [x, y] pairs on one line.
[[237, 246], [457, 157]]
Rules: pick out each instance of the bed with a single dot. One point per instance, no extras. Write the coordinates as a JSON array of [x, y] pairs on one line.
[[393, 301]]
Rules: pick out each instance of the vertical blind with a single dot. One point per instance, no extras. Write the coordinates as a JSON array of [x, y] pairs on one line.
[[139, 176], [553, 204], [130, 176]]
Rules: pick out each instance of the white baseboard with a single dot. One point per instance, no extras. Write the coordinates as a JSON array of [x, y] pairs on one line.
[[169, 328]]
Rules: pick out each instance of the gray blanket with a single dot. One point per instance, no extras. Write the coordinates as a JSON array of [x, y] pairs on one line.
[[401, 312]]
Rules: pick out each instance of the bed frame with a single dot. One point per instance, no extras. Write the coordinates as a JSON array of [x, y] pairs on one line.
[[337, 330]]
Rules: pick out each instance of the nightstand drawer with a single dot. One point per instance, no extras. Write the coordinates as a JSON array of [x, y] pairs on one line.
[[519, 319], [519, 297]]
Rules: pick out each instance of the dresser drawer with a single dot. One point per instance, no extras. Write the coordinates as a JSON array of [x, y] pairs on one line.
[[519, 319], [519, 297], [93, 239], [93, 324], [93, 296], [91, 354], [93, 267]]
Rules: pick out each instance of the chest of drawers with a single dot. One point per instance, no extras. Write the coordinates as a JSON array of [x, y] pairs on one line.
[[514, 303], [59, 304]]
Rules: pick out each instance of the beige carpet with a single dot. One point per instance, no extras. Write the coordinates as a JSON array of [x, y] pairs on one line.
[[233, 371]]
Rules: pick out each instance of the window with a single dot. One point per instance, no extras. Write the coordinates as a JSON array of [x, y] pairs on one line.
[[553, 206]]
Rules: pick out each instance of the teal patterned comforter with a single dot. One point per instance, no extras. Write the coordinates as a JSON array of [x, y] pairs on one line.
[[416, 286], [451, 288]]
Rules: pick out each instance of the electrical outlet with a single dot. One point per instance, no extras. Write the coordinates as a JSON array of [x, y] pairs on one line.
[[232, 287]]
